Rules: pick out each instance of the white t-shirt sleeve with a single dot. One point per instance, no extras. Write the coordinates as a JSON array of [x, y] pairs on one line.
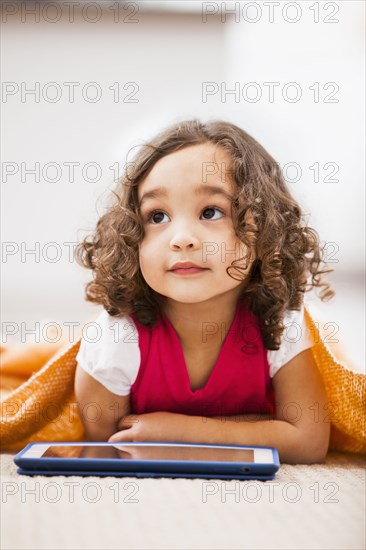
[[109, 351], [295, 338]]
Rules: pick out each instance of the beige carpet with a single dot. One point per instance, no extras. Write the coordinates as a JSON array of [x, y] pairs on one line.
[[318, 506]]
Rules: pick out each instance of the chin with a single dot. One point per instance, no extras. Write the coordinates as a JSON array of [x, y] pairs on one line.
[[187, 298]]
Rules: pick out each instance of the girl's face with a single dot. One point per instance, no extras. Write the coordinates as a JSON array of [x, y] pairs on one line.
[[191, 222]]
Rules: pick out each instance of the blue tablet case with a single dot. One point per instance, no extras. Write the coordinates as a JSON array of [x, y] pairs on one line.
[[98, 473], [263, 472]]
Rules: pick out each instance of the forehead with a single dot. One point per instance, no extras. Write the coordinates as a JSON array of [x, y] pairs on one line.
[[194, 164]]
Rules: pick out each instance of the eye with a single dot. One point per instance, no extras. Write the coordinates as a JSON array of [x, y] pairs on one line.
[[212, 209], [155, 215]]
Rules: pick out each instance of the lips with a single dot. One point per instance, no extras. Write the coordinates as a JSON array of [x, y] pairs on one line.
[[186, 265], [187, 269]]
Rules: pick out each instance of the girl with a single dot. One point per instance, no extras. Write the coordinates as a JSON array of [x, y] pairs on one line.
[[201, 265]]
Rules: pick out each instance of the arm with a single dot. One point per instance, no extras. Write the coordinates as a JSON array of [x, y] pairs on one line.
[[100, 410], [300, 431]]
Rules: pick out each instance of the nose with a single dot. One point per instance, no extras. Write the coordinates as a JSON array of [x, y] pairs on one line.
[[184, 239]]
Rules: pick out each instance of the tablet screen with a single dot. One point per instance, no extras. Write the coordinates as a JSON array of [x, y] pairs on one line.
[[151, 452]]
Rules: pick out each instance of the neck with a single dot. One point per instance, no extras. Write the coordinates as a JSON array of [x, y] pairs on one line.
[[201, 325]]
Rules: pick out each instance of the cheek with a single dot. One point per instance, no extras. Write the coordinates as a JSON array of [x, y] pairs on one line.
[[241, 250], [145, 266], [149, 253], [143, 253], [149, 245], [233, 241]]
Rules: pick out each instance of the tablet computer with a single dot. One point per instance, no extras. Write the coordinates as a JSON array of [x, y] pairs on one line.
[[148, 459]]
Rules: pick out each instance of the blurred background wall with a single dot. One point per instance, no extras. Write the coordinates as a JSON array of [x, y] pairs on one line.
[[84, 83]]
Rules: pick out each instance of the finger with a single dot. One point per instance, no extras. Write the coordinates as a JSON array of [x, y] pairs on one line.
[[124, 435], [127, 421]]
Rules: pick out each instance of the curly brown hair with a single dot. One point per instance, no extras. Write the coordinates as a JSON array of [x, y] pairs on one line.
[[287, 251]]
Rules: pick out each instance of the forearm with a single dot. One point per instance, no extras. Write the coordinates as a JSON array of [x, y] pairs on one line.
[[294, 447], [246, 430]]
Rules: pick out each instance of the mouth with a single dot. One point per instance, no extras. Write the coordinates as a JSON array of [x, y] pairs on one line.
[[188, 270]]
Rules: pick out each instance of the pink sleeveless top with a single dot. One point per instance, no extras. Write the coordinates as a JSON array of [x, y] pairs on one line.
[[238, 384]]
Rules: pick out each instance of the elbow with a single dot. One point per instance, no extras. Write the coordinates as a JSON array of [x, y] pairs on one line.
[[314, 447], [321, 445], [317, 456], [303, 456], [307, 447]]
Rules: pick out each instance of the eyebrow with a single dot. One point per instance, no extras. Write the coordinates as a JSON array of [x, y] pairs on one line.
[[198, 190]]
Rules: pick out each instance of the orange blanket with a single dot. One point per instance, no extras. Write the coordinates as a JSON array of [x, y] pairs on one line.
[[38, 401]]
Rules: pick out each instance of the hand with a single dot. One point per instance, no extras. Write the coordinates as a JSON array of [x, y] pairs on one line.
[[155, 426]]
